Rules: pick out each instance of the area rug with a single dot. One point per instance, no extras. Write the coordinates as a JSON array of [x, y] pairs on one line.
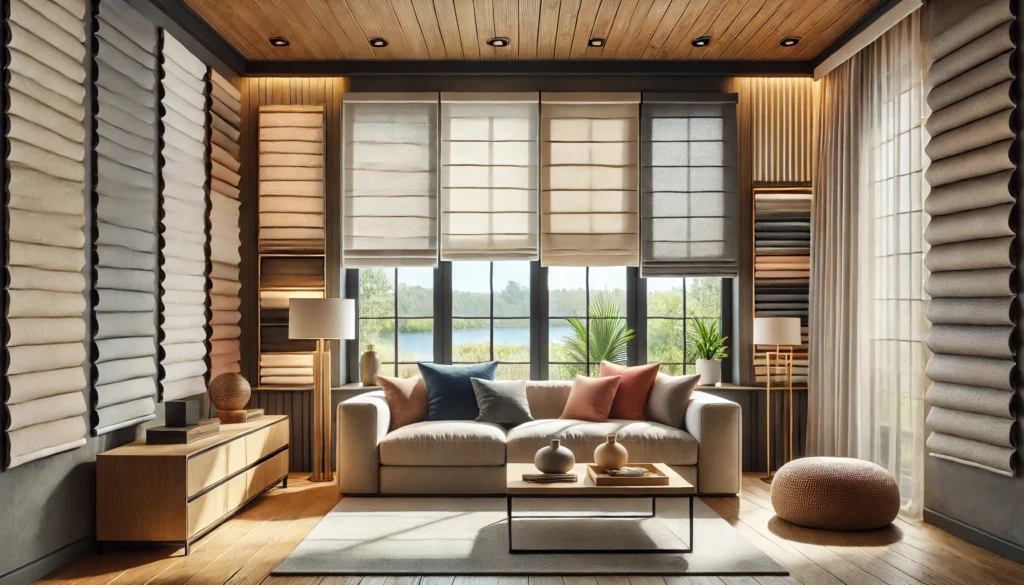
[[468, 536]]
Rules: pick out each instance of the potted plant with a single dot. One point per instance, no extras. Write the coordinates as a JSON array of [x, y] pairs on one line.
[[705, 346]]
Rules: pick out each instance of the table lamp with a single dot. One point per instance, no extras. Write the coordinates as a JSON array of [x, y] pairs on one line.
[[780, 332], [322, 320]]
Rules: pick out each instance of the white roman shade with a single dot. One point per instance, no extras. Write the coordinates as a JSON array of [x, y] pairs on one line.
[[124, 334], [185, 234], [688, 185], [390, 179], [589, 179], [489, 154]]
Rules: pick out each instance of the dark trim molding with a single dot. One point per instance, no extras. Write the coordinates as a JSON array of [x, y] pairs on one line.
[[178, 12], [531, 68], [973, 535], [865, 21], [42, 567]]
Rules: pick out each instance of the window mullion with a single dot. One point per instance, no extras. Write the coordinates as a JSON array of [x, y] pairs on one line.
[[443, 325], [540, 322], [637, 306]]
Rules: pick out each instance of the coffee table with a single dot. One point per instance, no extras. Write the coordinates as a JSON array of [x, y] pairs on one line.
[[584, 487]]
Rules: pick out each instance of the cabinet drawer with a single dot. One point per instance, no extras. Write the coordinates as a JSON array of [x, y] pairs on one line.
[[215, 504], [266, 473], [265, 441], [214, 465]]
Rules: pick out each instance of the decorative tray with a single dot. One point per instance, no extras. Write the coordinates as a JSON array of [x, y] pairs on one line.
[[602, 477]]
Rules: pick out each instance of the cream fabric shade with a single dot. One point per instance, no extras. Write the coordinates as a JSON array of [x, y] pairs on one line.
[[390, 179], [777, 331], [688, 185], [489, 155], [322, 319], [589, 179]]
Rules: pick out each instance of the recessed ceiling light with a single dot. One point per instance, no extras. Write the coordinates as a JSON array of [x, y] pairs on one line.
[[596, 42], [789, 42], [279, 41], [498, 42], [701, 41], [378, 43]]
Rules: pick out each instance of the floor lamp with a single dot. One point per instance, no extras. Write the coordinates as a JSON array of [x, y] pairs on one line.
[[780, 332], [322, 320]]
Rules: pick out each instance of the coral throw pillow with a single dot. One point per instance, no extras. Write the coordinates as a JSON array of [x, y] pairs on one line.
[[636, 383], [407, 399], [591, 398]]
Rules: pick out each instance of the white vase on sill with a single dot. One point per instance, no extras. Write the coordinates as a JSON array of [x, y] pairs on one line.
[[710, 372]]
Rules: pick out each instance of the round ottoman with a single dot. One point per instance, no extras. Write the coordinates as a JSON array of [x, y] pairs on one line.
[[835, 493]]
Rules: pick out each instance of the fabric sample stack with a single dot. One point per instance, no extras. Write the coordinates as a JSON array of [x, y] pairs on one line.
[[184, 260], [126, 216], [291, 179], [225, 237], [972, 258], [45, 239], [782, 264]]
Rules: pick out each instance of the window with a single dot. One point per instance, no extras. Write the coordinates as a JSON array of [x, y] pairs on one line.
[[396, 315], [672, 306], [587, 320], [491, 315]]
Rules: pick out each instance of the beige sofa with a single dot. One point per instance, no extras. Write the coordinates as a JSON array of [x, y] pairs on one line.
[[467, 457]]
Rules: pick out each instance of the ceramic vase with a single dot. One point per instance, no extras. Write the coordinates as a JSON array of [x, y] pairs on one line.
[[554, 458], [611, 454], [369, 365], [710, 372]]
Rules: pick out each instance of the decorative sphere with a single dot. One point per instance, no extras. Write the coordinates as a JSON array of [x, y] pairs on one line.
[[229, 391]]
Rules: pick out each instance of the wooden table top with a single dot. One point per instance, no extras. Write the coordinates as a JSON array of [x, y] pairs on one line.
[[228, 432], [585, 486]]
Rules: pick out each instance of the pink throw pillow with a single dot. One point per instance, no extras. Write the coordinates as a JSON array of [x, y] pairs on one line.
[[407, 399], [591, 398]]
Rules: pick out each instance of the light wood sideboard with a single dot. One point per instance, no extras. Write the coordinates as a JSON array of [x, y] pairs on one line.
[[174, 494]]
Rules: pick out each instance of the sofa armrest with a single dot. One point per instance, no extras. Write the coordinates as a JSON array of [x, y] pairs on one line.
[[715, 423], [363, 423]]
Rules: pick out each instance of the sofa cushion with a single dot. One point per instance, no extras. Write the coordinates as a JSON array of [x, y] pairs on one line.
[[407, 399], [646, 441], [451, 443], [634, 385], [547, 397], [590, 398], [449, 390]]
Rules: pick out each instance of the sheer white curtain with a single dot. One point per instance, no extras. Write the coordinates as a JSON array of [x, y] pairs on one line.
[[892, 353]]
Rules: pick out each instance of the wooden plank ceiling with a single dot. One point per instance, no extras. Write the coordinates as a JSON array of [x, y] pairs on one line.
[[536, 29]]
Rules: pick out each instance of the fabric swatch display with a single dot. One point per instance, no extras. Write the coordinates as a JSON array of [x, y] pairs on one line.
[[183, 257], [45, 146], [124, 333], [225, 235], [291, 179], [971, 231]]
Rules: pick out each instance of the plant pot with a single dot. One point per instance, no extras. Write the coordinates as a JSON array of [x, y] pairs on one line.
[[710, 372], [554, 458], [611, 454], [369, 365]]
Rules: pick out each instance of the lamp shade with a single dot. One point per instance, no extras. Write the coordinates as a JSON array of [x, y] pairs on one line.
[[777, 331], [321, 319]]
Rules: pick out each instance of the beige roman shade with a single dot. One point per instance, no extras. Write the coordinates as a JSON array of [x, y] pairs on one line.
[[489, 176], [972, 259], [390, 179], [590, 209], [185, 234], [688, 193], [125, 247], [46, 325]]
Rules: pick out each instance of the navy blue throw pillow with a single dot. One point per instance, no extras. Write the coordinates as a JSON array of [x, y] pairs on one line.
[[450, 393]]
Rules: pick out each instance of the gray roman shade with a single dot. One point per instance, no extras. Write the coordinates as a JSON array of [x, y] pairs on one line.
[[45, 152], [125, 247], [971, 233], [589, 179], [489, 154], [183, 321], [225, 256], [390, 179], [688, 193]]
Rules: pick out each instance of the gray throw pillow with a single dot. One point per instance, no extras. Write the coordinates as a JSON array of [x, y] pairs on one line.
[[669, 398], [502, 402]]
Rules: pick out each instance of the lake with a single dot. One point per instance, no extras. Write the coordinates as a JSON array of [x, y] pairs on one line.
[[422, 344]]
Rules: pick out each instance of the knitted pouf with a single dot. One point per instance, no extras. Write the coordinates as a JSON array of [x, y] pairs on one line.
[[835, 493]]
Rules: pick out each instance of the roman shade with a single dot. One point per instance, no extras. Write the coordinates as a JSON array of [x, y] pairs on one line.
[[688, 185], [489, 181], [589, 179], [390, 179], [45, 153], [225, 257], [183, 256], [125, 247], [973, 276]]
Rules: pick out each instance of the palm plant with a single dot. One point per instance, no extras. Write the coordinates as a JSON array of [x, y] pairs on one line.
[[704, 341], [609, 336]]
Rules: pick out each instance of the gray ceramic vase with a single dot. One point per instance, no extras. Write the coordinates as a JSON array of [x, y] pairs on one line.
[[554, 458]]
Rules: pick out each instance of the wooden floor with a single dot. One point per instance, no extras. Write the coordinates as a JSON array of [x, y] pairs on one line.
[[245, 549]]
